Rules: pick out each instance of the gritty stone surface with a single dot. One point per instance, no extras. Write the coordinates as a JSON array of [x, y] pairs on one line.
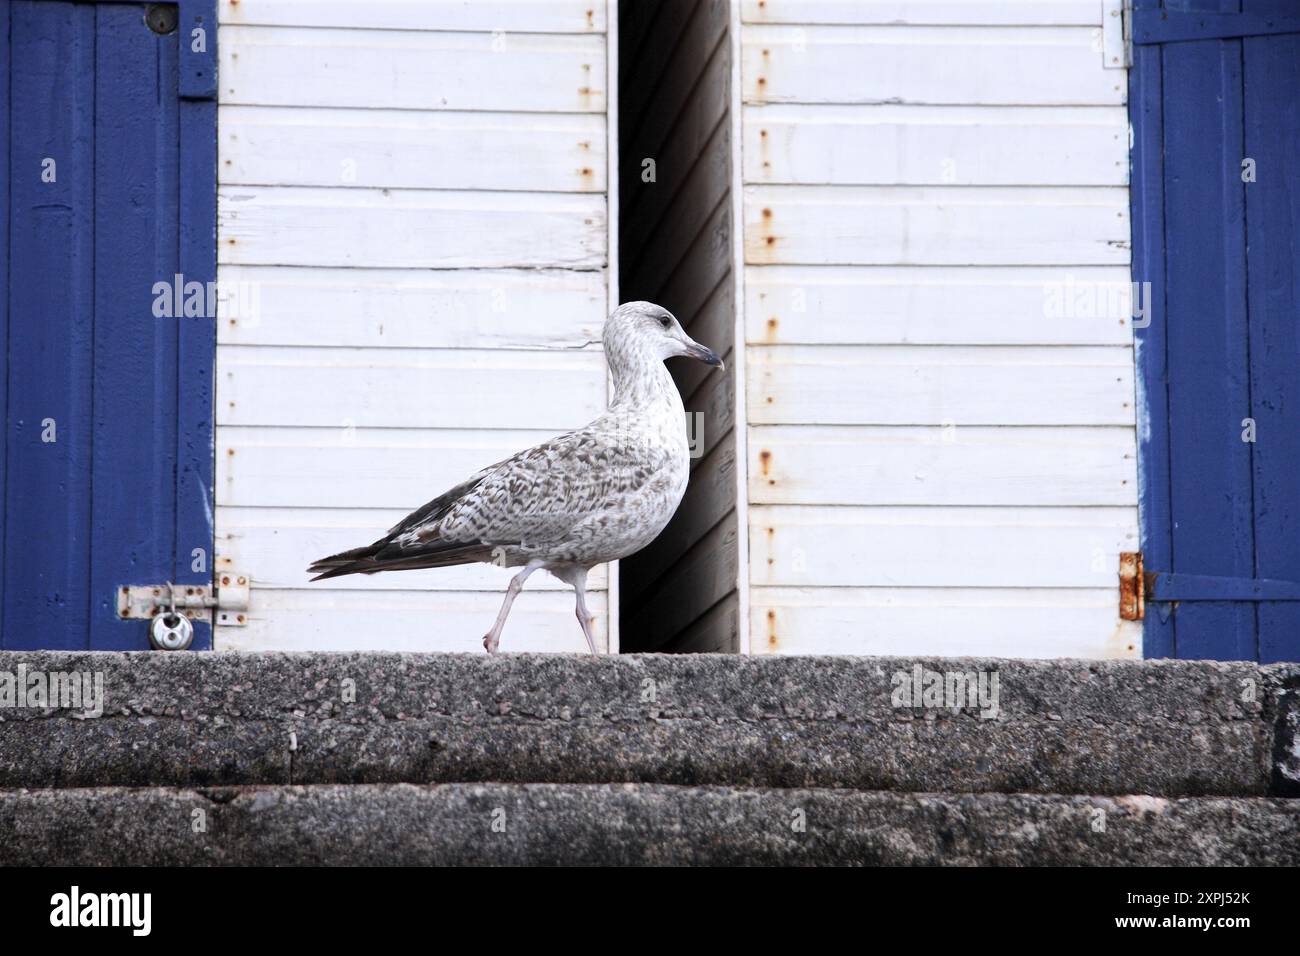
[[1285, 704], [1160, 728], [632, 824]]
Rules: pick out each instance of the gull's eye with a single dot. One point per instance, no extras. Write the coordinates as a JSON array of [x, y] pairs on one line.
[[665, 321]]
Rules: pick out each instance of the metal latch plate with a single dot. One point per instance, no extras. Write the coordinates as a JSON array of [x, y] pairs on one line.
[[233, 594], [229, 599]]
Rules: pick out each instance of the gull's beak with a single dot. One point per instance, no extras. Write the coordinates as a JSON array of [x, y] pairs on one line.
[[705, 354]]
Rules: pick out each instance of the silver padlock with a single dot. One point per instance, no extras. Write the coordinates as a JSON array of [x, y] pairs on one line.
[[171, 631]]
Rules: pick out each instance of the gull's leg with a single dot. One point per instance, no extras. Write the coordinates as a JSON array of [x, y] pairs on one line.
[[493, 637], [585, 617]]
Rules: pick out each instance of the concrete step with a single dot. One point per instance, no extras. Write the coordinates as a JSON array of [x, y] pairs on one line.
[[633, 824], [1159, 728]]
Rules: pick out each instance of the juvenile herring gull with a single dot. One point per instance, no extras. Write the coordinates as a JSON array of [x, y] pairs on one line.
[[583, 498]]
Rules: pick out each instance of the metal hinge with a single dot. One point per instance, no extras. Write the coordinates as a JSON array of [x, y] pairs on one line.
[[228, 598], [1137, 586], [1116, 34], [1132, 588]]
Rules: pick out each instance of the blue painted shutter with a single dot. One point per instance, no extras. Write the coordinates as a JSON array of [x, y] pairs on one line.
[[123, 494], [1214, 84]]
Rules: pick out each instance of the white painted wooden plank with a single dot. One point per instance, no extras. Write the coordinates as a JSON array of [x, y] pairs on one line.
[[939, 547], [943, 622], [934, 385], [936, 225], [950, 145], [408, 388], [531, 16], [406, 308], [1050, 66], [275, 545], [900, 305], [420, 70], [865, 465], [411, 149], [951, 12], [359, 467], [426, 621], [277, 225]]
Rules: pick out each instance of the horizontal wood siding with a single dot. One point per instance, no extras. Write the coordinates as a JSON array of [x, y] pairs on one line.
[[945, 465], [940, 443], [475, 16], [948, 622], [936, 225], [412, 69], [412, 229], [920, 145], [413, 245], [941, 12], [938, 305], [411, 620], [938, 385], [1005, 66], [413, 149]]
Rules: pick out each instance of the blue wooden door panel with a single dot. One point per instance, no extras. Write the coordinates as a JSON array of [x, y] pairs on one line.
[[137, 143], [51, 317], [1220, 254], [1272, 136], [1206, 347], [122, 496]]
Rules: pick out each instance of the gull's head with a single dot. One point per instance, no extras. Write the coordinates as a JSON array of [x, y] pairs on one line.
[[651, 330]]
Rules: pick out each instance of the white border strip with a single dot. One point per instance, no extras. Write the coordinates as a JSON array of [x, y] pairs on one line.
[[611, 256], [738, 336]]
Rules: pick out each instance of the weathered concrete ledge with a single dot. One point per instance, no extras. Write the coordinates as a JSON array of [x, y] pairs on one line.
[[621, 824], [1077, 727]]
